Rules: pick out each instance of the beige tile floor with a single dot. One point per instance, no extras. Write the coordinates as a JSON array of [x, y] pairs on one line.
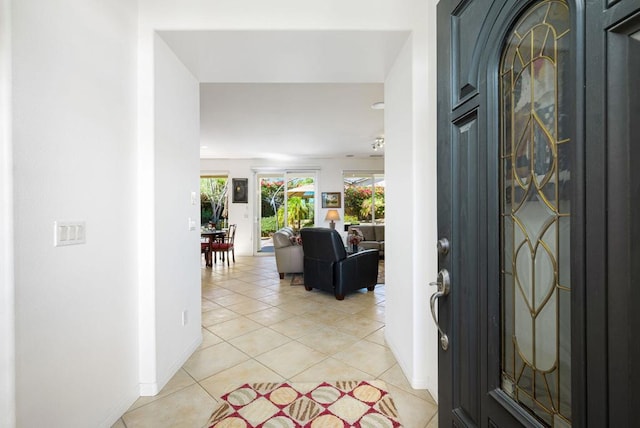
[[259, 328]]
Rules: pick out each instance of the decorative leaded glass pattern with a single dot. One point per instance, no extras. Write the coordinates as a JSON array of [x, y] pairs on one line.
[[535, 220]]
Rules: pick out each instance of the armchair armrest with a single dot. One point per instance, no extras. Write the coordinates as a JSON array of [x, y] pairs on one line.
[[359, 270], [363, 254], [289, 259], [291, 249]]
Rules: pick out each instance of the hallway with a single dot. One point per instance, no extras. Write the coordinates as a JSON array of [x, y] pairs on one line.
[[257, 328]]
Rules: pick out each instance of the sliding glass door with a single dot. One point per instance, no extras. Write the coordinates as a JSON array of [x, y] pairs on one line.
[[299, 211], [287, 198], [271, 199]]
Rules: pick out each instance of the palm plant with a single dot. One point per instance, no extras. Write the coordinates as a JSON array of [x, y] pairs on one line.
[[296, 209]]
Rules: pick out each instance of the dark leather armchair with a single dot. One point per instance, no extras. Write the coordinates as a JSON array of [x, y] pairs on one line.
[[328, 267]]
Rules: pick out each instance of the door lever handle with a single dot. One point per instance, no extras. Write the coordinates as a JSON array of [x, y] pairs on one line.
[[444, 286]]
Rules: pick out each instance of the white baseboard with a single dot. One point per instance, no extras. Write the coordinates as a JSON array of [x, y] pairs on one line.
[[151, 389], [120, 407], [148, 389], [415, 382]]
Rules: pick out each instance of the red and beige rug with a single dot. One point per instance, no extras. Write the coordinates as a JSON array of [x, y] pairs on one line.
[[360, 404]]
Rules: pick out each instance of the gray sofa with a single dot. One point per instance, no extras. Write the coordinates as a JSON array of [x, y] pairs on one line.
[[289, 255], [373, 236]]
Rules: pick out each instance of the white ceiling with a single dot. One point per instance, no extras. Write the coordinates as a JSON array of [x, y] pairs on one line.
[[288, 94]]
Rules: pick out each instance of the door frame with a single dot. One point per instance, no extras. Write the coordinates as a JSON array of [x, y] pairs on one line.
[[612, 208]]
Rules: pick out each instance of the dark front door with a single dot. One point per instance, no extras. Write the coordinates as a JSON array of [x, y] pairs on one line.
[[538, 209]]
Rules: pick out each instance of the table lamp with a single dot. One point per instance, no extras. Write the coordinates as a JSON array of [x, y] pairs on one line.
[[331, 216]]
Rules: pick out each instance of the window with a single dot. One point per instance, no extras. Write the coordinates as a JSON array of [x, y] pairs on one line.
[[363, 197], [214, 200]]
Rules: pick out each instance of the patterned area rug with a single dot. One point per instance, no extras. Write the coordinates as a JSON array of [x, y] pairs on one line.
[[298, 278], [362, 404]]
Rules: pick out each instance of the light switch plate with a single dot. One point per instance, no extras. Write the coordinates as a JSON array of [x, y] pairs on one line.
[[69, 233]]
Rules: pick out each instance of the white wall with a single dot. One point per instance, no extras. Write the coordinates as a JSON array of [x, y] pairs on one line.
[[400, 257], [177, 249], [74, 112], [7, 342], [329, 179], [411, 196], [416, 211]]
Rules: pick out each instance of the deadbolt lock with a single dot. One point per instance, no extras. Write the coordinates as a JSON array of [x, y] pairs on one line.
[[443, 246]]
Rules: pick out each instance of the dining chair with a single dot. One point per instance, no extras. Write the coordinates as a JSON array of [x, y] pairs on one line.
[[224, 245], [205, 248]]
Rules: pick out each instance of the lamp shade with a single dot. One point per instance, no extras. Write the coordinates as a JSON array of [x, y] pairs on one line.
[[332, 215]]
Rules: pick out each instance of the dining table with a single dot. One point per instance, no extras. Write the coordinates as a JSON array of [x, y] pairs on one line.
[[212, 235]]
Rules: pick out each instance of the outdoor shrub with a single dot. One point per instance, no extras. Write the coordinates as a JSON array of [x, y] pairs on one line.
[[355, 198], [350, 219], [365, 209], [267, 226]]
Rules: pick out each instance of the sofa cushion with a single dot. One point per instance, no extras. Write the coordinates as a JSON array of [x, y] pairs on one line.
[[295, 240], [370, 245], [368, 232], [282, 238], [379, 232]]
